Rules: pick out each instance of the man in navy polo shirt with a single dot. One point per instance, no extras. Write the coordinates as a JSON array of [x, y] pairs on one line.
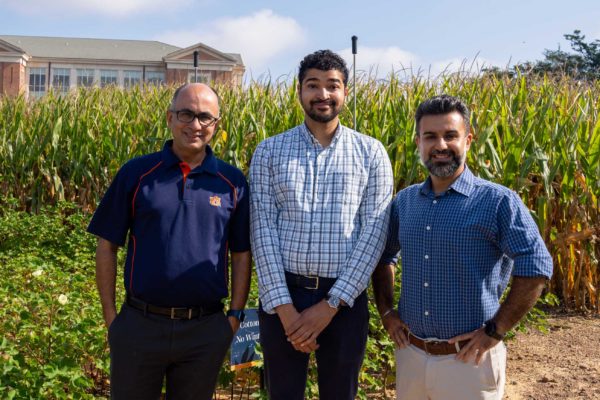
[[182, 210]]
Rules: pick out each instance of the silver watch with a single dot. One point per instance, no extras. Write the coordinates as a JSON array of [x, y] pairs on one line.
[[333, 301]]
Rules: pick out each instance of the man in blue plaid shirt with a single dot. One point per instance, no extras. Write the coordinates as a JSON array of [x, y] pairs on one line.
[[320, 196], [460, 239]]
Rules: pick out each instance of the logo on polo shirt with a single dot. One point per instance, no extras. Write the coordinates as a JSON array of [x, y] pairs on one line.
[[215, 201]]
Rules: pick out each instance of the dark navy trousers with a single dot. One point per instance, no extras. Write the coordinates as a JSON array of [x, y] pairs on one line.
[[146, 349], [339, 357]]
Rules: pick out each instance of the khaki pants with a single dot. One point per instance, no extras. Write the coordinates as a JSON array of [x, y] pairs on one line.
[[421, 376]]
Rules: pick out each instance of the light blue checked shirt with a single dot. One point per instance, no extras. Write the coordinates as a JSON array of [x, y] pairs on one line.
[[458, 250], [318, 211]]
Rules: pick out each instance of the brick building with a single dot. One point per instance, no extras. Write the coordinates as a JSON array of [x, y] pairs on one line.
[[34, 64]]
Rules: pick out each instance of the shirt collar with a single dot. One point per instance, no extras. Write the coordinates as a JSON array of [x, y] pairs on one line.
[[464, 184], [209, 164], [311, 140]]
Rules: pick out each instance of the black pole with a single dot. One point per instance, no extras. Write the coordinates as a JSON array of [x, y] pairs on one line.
[[195, 66], [354, 46]]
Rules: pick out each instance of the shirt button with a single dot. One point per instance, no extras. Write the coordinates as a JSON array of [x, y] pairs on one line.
[[426, 256], [426, 284], [428, 228], [426, 312], [435, 202]]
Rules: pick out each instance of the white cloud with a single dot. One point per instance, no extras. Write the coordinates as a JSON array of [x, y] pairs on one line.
[[115, 8], [468, 66], [380, 61], [258, 37]]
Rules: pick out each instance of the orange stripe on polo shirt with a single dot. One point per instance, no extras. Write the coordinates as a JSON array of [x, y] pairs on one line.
[[132, 264], [138, 187], [132, 215], [232, 187]]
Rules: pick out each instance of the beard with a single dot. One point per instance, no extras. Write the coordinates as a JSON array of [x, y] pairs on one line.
[[444, 169], [323, 117]]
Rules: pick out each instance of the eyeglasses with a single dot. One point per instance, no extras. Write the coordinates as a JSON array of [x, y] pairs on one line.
[[187, 117]]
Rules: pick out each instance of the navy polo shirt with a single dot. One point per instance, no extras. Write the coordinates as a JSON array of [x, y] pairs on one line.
[[180, 223]]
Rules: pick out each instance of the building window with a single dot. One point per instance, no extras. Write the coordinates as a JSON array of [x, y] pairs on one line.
[[202, 77], [61, 79], [85, 77], [108, 77], [131, 78], [37, 81], [155, 78]]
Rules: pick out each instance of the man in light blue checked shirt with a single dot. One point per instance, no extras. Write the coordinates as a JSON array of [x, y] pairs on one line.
[[460, 239], [320, 196]]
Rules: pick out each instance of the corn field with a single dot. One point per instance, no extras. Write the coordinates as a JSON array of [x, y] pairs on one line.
[[540, 137]]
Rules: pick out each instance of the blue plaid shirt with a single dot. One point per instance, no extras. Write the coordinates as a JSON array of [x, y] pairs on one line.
[[318, 211], [458, 250]]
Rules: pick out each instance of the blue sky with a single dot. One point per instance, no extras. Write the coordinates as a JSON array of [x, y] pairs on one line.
[[273, 36]]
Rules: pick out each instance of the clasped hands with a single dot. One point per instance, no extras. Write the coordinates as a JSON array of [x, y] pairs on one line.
[[302, 329]]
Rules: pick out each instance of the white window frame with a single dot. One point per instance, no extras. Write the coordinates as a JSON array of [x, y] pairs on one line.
[[109, 77], [65, 74], [39, 84], [155, 78], [87, 75], [131, 78], [203, 77]]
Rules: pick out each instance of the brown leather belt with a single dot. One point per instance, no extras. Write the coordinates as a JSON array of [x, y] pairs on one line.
[[436, 347], [173, 312]]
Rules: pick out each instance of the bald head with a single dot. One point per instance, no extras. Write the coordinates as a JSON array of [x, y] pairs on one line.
[[195, 89]]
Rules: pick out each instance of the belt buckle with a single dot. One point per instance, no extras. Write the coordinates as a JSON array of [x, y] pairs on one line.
[[316, 278], [173, 316], [432, 342]]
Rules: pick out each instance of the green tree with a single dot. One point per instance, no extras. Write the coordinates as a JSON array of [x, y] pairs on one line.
[[582, 63]]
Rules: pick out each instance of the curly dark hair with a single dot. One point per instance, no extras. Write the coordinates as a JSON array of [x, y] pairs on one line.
[[443, 104], [324, 60]]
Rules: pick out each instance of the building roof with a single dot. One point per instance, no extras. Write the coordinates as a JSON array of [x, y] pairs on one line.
[[80, 48], [237, 56]]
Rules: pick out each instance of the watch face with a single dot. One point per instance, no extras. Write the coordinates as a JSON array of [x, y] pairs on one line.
[[334, 302]]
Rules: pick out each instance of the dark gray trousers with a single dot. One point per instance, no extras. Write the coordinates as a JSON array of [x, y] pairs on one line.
[[146, 349]]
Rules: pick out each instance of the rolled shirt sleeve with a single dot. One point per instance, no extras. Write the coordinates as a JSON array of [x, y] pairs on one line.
[[520, 240]]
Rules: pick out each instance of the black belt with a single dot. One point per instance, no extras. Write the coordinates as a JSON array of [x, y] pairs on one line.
[[311, 282], [173, 312]]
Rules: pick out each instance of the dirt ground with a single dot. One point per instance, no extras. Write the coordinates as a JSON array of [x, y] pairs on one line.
[[562, 364]]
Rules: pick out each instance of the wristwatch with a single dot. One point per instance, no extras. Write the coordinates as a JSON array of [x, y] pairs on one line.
[[239, 314], [333, 301], [490, 330]]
